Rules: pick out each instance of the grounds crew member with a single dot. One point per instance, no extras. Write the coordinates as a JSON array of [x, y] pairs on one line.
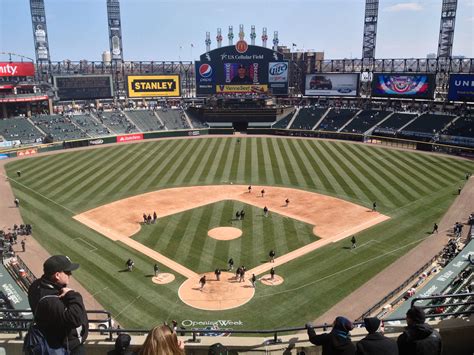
[[59, 310]]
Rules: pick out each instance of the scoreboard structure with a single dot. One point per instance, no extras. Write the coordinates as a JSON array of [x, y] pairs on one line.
[[83, 87], [242, 69]]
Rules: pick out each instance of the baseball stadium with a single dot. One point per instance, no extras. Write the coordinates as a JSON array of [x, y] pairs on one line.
[[244, 199]]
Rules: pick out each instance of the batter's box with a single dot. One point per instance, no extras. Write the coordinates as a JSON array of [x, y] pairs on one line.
[[85, 242], [366, 244]]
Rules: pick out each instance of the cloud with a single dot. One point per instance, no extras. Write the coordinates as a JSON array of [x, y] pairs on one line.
[[407, 6]]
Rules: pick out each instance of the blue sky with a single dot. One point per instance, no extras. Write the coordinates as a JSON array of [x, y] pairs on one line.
[[164, 29]]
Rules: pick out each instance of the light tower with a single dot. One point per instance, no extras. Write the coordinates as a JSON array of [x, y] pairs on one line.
[[40, 31], [370, 28], [446, 28], [115, 30]]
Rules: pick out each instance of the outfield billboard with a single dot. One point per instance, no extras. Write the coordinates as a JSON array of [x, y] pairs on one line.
[[461, 87], [403, 85], [153, 85], [331, 84], [242, 69], [17, 69], [83, 87]]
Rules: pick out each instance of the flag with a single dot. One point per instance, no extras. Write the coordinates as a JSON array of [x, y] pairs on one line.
[[294, 45], [192, 45]]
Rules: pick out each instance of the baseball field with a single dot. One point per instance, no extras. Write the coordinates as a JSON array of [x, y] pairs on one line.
[[88, 204]]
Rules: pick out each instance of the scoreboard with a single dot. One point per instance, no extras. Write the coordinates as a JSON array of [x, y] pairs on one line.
[[83, 87]]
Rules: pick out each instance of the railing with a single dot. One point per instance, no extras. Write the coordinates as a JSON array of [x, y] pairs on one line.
[[462, 296], [20, 324]]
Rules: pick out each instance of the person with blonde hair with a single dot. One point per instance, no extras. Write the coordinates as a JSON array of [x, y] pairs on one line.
[[161, 340]]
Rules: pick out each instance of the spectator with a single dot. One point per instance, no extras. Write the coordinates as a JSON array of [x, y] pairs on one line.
[[122, 345], [338, 341], [58, 310], [375, 342], [418, 338], [162, 340]]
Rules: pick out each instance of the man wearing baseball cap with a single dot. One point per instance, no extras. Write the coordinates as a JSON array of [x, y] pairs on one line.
[[58, 310], [241, 77], [418, 338], [375, 342]]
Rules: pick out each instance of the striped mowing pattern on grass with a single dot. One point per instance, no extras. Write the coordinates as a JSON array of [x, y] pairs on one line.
[[414, 189]]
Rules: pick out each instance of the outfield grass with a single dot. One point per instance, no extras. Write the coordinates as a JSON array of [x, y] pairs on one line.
[[414, 189]]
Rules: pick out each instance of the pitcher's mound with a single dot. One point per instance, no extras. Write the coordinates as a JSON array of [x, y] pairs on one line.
[[224, 233], [163, 278], [216, 295], [267, 280]]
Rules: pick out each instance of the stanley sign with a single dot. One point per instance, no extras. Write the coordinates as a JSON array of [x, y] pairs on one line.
[[153, 86]]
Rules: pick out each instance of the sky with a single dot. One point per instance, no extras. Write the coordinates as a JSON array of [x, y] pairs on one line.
[[163, 30]]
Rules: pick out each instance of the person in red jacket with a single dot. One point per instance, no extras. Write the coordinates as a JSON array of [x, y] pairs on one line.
[[338, 341]]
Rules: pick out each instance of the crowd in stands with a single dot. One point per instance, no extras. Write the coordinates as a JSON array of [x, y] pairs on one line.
[[60, 127], [19, 129], [116, 121]]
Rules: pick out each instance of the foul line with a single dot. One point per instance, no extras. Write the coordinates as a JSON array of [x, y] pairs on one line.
[[40, 194], [364, 244], [345, 270], [93, 248]]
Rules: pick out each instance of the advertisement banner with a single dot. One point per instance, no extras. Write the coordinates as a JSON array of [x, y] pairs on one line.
[[25, 99], [277, 72], [83, 87], [461, 87], [26, 152], [408, 85], [17, 69], [153, 85], [205, 79], [130, 137], [332, 84], [227, 89]]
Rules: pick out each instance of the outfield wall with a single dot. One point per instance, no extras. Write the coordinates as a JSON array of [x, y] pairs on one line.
[[135, 137]]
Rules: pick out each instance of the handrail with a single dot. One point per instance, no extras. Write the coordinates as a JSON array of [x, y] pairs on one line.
[[20, 324]]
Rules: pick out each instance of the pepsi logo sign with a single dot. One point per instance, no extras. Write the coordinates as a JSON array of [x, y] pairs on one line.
[[278, 68], [205, 70]]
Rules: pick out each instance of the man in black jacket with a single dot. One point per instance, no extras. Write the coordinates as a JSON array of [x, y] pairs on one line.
[[58, 310], [376, 343], [418, 338], [338, 341]]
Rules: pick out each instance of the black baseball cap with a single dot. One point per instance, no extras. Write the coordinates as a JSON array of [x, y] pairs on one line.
[[57, 263], [241, 66]]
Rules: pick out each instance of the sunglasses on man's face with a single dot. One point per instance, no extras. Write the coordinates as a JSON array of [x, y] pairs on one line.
[[68, 273]]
